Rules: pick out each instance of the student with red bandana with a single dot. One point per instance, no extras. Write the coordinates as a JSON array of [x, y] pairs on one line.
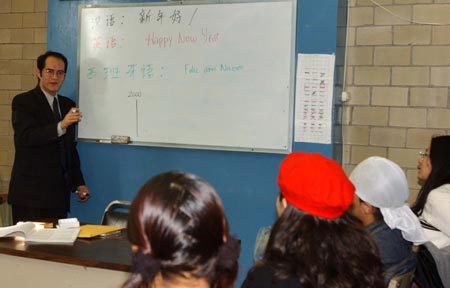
[[312, 244]]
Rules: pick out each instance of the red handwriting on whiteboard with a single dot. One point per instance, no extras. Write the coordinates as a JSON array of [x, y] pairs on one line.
[[97, 42], [161, 41], [112, 42], [209, 37], [186, 38]]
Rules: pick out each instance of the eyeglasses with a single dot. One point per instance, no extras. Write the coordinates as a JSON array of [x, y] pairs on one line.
[[424, 153], [51, 72]]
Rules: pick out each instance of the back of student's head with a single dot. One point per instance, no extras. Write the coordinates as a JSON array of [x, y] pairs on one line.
[[178, 227], [382, 184], [312, 240]]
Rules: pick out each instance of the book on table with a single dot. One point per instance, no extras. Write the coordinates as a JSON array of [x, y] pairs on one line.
[[34, 232], [91, 231]]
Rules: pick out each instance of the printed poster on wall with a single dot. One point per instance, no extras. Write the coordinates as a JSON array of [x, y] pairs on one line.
[[314, 98]]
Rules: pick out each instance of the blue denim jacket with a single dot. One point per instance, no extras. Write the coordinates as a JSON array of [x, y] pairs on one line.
[[395, 252]]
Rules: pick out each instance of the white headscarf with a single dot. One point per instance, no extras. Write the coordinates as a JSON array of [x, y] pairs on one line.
[[382, 183]]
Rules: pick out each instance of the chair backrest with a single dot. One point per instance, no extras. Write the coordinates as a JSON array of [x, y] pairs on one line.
[[116, 213], [402, 281]]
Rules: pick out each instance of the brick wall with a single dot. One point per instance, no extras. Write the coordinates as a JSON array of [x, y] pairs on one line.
[[398, 77], [23, 36]]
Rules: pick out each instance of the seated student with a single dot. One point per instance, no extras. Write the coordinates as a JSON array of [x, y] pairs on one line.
[[433, 206], [264, 232], [311, 244], [179, 235], [380, 205]]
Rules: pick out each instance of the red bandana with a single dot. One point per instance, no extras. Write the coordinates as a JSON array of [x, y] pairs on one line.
[[315, 184]]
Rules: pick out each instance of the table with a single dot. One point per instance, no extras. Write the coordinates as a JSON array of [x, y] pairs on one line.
[[103, 262]]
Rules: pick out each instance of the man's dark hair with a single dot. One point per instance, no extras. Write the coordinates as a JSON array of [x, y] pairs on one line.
[[41, 59]]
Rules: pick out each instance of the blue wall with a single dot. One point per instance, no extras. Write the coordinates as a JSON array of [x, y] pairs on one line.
[[245, 181]]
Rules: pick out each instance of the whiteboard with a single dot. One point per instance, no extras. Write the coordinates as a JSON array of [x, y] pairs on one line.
[[215, 76]]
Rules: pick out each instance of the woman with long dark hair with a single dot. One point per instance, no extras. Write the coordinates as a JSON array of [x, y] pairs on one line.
[[179, 235], [313, 244], [433, 203]]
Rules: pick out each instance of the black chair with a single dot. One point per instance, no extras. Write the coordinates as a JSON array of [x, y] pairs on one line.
[[427, 275], [116, 213]]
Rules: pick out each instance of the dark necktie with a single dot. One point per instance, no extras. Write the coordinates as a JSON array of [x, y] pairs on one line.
[[56, 110]]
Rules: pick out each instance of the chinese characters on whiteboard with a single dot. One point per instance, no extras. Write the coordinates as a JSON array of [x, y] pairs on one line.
[[103, 35]]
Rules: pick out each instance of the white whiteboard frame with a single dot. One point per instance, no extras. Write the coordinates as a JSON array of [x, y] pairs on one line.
[[192, 146]]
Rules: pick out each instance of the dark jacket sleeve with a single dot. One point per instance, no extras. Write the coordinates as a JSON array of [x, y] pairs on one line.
[[76, 174], [71, 145]]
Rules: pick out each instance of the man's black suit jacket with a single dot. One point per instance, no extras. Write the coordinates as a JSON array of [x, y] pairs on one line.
[[37, 175]]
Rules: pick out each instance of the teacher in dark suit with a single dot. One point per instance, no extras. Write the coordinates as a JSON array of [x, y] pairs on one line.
[[46, 166]]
